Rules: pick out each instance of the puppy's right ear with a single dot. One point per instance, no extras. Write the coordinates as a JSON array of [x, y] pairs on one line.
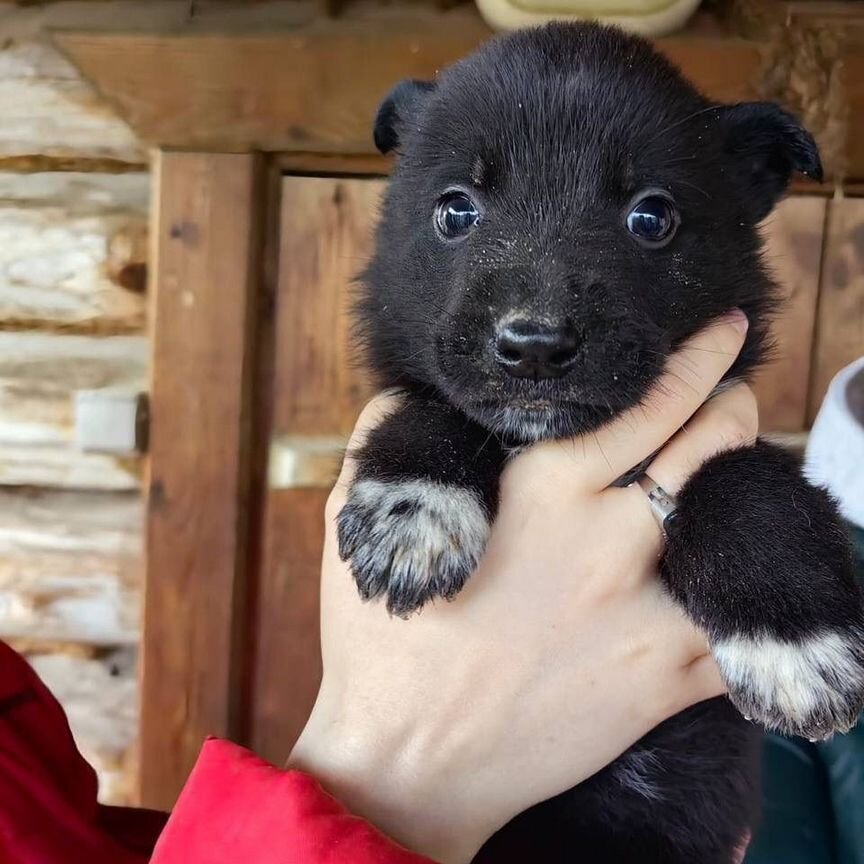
[[401, 105], [769, 145]]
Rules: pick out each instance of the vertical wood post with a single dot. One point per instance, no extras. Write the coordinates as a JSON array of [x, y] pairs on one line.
[[325, 238], [840, 317], [207, 238]]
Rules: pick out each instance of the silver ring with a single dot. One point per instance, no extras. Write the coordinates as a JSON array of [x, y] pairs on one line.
[[663, 505]]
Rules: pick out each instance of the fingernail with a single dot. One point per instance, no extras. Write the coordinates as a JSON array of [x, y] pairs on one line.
[[738, 320]]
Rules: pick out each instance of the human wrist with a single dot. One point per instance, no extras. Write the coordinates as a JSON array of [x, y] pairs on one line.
[[389, 778]]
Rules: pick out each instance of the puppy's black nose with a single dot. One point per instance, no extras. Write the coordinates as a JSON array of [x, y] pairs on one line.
[[530, 349]]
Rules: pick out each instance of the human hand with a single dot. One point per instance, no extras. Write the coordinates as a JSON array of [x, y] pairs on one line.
[[562, 650]]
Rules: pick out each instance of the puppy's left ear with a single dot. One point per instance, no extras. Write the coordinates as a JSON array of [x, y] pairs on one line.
[[769, 146], [398, 108]]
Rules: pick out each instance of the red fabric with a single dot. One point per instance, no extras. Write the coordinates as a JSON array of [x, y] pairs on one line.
[[239, 808], [48, 808], [235, 808]]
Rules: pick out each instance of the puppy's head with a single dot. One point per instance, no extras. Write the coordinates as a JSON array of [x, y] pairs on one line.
[[565, 209]]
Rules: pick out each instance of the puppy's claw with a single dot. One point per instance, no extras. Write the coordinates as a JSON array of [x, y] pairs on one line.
[[411, 540]]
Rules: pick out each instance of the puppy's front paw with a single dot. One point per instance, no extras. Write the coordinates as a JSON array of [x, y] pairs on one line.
[[411, 540], [811, 687]]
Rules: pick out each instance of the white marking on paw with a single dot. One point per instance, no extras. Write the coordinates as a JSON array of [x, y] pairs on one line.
[[818, 677], [422, 527]]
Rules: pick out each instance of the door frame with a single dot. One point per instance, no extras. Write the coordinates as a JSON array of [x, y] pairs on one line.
[[227, 115]]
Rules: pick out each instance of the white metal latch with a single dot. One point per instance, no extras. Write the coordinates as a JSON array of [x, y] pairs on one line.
[[111, 421], [305, 462]]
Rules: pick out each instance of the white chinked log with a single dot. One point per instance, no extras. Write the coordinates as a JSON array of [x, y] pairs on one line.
[[39, 376], [48, 109], [73, 251], [100, 697], [70, 566]]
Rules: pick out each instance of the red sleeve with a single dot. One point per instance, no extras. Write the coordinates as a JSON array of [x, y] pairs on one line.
[[236, 807], [48, 808]]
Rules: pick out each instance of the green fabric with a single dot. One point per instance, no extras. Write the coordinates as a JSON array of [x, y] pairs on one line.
[[797, 822], [813, 808], [843, 758]]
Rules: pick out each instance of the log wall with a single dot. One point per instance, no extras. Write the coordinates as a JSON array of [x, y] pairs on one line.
[[74, 194]]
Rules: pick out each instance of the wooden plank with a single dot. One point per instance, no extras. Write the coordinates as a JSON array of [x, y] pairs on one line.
[[315, 87], [840, 321], [794, 235], [70, 566], [39, 374], [73, 251], [326, 233], [327, 164], [206, 218], [288, 656], [852, 76], [327, 228]]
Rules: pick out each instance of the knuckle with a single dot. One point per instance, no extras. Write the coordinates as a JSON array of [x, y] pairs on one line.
[[749, 405], [736, 430]]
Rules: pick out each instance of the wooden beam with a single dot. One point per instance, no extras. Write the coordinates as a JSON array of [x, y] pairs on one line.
[[840, 316], [318, 391], [206, 217], [794, 235], [314, 88]]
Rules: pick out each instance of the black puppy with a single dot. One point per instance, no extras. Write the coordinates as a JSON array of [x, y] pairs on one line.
[[564, 211]]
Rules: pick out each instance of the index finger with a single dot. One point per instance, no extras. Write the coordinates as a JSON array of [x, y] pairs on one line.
[[692, 372], [372, 415]]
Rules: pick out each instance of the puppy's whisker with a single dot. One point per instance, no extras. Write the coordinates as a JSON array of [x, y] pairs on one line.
[[682, 380], [678, 161], [711, 351], [600, 447], [694, 186], [482, 447], [408, 357], [687, 119]]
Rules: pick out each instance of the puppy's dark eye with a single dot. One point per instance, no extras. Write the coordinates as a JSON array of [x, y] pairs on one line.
[[455, 215], [653, 220]]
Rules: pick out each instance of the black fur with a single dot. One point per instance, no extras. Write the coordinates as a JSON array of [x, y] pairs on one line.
[[555, 133]]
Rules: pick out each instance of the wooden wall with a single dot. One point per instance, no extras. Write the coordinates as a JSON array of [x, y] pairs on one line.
[[73, 227]]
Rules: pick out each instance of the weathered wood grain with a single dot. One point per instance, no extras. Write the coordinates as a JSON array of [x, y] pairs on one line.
[[70, 566], [794, 234], [326, 233], [207, 218], [49, 110], [288, 654], [327, 226], [73, 251], [245, 91], [840, 322], [99, 693], [39, 374]]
